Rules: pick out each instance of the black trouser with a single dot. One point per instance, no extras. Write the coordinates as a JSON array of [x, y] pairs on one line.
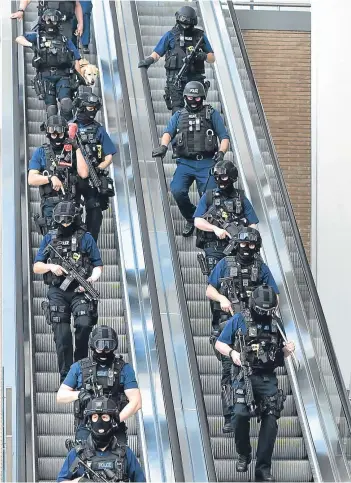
[[83, 432], [94, 206], [174, 94], [62, 305], [263, 385], [213, 255]]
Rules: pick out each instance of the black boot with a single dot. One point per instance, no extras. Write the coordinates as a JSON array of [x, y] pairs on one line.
[[264, 475], [228, 426], [243, 463], [188, 229]]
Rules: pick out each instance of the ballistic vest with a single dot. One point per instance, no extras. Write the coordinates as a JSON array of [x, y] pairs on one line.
[[88, 135], [195, 138], [53, 52], [174, 57], [56, 163]]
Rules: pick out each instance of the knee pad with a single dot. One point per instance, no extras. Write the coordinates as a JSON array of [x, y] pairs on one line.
[[272, 405], [66, 108], [92, 203], [51, 110], [59, 314]]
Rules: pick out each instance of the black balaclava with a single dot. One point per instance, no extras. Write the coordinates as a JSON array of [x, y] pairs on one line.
[[66, 231], [245, 255], [193, 105], [86, 117], [57, 143], [104, 358], [101, 439]]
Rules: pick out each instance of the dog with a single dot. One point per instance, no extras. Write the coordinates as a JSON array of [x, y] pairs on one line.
[[89, 72]]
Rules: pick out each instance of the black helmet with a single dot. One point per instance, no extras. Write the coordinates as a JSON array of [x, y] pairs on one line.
[[87, 99], [263, 300], [100, 405], [56, 124], [51, 20], [194, 90], [103, 338], [186, 16], [225, 173], [249, 235], [64, 212]]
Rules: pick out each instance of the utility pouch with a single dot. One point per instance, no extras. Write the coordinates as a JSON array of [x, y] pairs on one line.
[[106, 188], [203, 264]]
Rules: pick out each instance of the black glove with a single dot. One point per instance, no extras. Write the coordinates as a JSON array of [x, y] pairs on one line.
[[219, 156], [187, 59], [146, 62], [84, 397], [117, 416], [201, 56], [72, 142], [160, 151]]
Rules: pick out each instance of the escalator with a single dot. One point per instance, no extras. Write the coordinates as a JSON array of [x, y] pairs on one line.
[[290, 457], [54, 422]]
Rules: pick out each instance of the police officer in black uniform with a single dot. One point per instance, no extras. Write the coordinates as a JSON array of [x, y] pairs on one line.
[[102, 452], [68, 9], [75, 244], [194, 131], [103, 369], [255, 333], [55, 59], [177, 45], [95, 139], [54, 167], [230, 285]]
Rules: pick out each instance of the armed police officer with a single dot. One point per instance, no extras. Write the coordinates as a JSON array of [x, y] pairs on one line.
[[104, 370], [254, 343], [178, 45], [70, 286], [54, 167], [98, 149], [70, 10], [101, 457], [55, 59], [230, 285], [225, 206], [194, 131]]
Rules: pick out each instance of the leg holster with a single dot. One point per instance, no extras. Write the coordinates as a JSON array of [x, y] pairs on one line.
[[55, 314], [239, 396], [167, 97], [271, 405], [42, 223], [39, 86]]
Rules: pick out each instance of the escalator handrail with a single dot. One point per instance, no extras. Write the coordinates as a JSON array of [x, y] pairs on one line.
[[292, 220], [142, 318]]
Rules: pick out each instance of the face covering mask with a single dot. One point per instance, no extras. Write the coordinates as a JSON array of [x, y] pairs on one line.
[[86, 117], [103, 357], [66, 231], [245, 254], [101, 432], [57, 143], [194, 105]]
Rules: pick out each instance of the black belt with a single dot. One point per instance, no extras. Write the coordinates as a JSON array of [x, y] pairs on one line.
[[215, 244], [55, 71], [53, 199]]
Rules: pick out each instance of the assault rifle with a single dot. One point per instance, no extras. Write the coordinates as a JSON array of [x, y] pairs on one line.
[[187, 61], [102, 182], [245, 373], [93, 475], [75, 274]]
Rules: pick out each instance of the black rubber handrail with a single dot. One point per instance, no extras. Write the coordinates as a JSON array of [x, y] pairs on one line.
[[177, 271], [323, 326]]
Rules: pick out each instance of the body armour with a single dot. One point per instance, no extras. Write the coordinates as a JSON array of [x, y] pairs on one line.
[[195, 138], [66, 8], [116, 462], [69, 247], [230, 210], [53, 52], [58, 163], [241, 280], [262, 343], [88, 135], [174, 58], [107, 377]]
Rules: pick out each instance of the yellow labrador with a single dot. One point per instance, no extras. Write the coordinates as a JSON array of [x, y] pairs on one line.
[[89, 72]]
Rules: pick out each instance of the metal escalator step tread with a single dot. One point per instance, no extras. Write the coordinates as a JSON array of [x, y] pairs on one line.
[[224, 448], [44, 343], [211, 383], [107, 289], [41, 327], [283, 470], [107, 308]]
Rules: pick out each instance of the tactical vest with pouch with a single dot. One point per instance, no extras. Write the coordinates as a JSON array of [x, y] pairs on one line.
[[53, 52], [182, 43]]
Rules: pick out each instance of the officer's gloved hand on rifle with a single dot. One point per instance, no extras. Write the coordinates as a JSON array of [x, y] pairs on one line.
[[235, 357], [71, 142], [84, 397], [201, 56], [160, 152], [218, 156], [146, 62]]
